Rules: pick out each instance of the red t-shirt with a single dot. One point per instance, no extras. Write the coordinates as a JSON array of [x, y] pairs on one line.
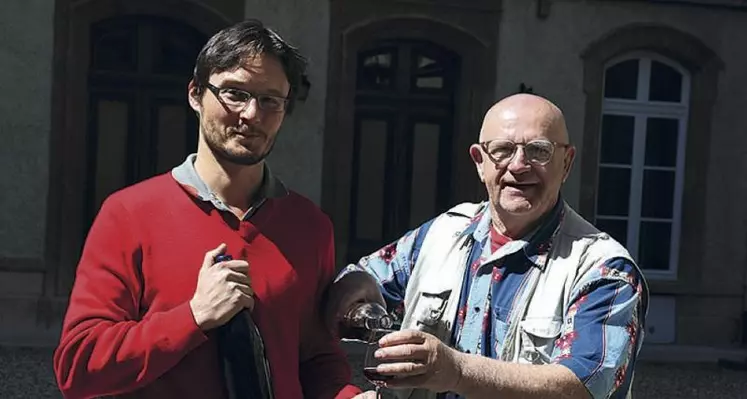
[[497, 240]]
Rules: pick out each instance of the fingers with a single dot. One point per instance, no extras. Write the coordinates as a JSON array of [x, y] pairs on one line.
[[210, 255], [402, 370], [237, 265], [405, 352], [239, 278], [403, 337], [247, 301], [243, 288]]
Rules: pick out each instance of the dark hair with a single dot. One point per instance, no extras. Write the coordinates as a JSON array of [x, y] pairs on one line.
[[232, 46]]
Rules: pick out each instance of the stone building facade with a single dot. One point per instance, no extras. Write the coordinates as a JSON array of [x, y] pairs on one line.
[[653, 91]]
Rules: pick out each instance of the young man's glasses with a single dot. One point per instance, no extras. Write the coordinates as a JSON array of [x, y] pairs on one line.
[[237, 100], [537, 152]]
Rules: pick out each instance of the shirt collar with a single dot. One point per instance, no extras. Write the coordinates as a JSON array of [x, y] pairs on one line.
[[186, 175], [536, 245]]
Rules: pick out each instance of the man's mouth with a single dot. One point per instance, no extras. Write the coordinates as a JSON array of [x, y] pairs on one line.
[[248, 134], [519, 185]]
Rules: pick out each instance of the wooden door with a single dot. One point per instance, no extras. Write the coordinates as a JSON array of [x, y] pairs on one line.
[[403, 135]]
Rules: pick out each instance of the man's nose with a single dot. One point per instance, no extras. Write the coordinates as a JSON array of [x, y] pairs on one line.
[[251, 111], [518, 162]]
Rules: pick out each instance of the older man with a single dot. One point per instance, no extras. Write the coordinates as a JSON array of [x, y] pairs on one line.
[[518, 296]]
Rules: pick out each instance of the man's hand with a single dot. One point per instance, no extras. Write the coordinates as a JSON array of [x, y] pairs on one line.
[[366, 395], [352, 288], [418, 360], [223, 289]]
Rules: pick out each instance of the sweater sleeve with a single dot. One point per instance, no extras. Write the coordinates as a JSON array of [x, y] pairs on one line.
[[105, 347], [324, 370]]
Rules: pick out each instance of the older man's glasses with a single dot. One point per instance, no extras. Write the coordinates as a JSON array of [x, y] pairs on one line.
[[236, 100], [536, 152]]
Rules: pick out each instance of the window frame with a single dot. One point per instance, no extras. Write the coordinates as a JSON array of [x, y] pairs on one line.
[[642, 109]]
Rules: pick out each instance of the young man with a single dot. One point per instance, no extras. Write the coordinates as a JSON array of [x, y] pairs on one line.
[[150, 294]]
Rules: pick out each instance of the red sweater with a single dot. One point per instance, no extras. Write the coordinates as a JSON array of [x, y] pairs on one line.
[[129, 329]]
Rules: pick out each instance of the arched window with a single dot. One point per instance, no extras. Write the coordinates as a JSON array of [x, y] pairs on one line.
[[642, 157], [406, 96], [646, 146], [120, 107]]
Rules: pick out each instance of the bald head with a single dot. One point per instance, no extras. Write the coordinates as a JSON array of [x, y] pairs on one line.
[[504, 119]]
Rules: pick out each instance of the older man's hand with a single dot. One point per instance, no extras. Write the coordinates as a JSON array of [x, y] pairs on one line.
[[418, 360]]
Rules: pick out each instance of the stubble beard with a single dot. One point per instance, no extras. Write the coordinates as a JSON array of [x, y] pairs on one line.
[[216, 143]]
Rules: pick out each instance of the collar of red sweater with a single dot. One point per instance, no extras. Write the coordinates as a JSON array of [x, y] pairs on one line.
[[186, 175]]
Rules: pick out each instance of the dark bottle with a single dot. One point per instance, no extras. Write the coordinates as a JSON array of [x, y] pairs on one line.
[[365, 317], [242, 351]]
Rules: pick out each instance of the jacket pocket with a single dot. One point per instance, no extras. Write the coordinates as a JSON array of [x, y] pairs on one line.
[[538, 336], [430, 307]]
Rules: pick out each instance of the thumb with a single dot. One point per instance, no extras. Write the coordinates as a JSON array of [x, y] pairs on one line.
[[210, 255]]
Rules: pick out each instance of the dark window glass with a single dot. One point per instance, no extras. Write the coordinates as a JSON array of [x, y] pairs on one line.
[[613, 195], [621, 80], [377, 70], [618, 229], [666, 83], [654, 245], [658, 194], [661, 141], [617, 139]]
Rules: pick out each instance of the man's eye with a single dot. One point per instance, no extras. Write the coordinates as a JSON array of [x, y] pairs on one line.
[[270, 102], [502, 150], [235, 95]]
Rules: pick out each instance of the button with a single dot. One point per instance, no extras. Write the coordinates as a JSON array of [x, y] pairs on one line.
[[468, 351], [477, 309]]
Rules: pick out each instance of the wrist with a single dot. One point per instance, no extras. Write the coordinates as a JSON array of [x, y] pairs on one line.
[[198, 315], [460, 368]]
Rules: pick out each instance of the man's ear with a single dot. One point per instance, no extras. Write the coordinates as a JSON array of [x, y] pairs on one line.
[[476, 154], [570, 155], [195, 100]]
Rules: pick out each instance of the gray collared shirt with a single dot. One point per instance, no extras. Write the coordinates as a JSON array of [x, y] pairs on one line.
[[186, 175]]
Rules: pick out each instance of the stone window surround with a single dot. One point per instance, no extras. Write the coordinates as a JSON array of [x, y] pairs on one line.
[[704, 66]]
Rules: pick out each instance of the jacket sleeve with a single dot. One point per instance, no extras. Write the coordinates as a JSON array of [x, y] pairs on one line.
[[105, 347], [391, 266], [324, 369], [603, 328]]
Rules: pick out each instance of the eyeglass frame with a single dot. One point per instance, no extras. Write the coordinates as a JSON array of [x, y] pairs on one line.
[[555, 144], [217, 90]]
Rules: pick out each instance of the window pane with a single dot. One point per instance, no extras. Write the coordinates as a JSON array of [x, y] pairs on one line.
[[621, 80], [617, 139], [429, 73], [613, 193], [654, 245], [377, 69], [658, 194], [171, 145], [175, 49], [666, 83], [618, 229], [661, 141], [371, 156], [112, 129], [424, 182], [114, 48]]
